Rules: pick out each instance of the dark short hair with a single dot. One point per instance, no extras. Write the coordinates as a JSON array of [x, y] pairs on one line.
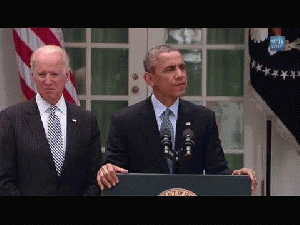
[[151, 56]]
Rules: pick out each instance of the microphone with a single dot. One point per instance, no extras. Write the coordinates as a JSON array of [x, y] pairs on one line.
[[188, 136], [166, 142]]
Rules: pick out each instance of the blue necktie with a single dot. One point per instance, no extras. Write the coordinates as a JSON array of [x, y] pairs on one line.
[[166, 124]]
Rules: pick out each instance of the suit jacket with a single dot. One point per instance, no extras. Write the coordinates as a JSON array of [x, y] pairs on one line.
[[134, 140], [26, 163]]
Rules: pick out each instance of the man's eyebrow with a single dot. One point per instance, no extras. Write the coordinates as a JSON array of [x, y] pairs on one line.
[[181, 64]]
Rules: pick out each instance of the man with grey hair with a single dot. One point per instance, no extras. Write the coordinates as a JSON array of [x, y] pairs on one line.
[[51, 48], [134, 142], [48, 146], [151, 56]]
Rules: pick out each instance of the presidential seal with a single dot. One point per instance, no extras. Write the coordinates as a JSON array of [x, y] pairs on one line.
[[177, 192]]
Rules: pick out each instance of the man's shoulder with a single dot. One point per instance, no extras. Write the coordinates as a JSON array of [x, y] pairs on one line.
[[79, 110], [17, 109], [146, 106], [134, 109]]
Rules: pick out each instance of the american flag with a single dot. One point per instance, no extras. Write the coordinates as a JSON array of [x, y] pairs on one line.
[[27, 40], [275, 75]]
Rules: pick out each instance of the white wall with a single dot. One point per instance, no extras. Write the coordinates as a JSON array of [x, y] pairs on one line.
[[285, 157], [255, 141], [285, 164], [10, 90]]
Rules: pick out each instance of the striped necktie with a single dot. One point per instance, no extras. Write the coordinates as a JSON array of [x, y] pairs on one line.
[[166, 124], [55, 139]]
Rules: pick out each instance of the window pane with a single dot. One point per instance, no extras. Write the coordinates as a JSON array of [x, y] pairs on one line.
[[103, 111], [109, 71], [74, 34], [83, 104], [78, 66], [225, 72], [235, 161], [225, 36], [110, 35], [185, 36], [193, 61], [230, 122]]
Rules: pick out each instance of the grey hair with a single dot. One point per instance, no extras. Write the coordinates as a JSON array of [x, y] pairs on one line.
[[151, 56], [50, 49]]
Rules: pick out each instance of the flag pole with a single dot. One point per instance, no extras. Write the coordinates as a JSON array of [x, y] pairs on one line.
[[268, 166]]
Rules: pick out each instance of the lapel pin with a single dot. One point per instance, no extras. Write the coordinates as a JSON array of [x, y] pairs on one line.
[[188, 123], [74, 120]]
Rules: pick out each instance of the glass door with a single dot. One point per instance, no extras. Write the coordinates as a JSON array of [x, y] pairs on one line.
[[108, 66], [216, 66]]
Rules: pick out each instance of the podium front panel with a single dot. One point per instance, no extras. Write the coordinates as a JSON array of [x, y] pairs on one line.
[[177, 185]]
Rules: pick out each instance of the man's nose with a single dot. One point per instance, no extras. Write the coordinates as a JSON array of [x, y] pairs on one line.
[[48, 79], [179, 74]]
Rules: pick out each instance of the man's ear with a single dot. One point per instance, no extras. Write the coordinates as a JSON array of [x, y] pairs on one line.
[[32, 77], [68, 74], [149, 78]]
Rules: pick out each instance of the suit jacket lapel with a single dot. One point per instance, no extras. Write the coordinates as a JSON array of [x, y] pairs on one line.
[[72, 130], [152, 134], [184, 116], [183, 121], [149, 115], [35, 123]]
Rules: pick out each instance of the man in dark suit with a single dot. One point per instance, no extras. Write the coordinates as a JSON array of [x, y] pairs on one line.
[[134, 143], [45, 152]]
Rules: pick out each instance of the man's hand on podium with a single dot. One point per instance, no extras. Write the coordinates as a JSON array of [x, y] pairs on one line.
[[250, 173], [107, 176]]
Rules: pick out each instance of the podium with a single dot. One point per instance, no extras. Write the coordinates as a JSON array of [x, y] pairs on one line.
[[134, 184]]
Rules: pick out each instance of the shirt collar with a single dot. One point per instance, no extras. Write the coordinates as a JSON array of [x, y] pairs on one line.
[[43, 105], [159, 108]]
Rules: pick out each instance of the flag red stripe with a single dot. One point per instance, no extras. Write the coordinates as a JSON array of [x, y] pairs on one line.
[[68, 97], [46, 35], [22, 49], [29, 94]]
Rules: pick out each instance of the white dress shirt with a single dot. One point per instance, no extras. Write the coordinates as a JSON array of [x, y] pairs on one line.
[[159, 108], [43, 107]]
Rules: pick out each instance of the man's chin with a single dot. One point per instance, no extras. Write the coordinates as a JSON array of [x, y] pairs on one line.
[[50, 99], [181, 94]]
